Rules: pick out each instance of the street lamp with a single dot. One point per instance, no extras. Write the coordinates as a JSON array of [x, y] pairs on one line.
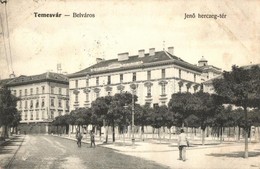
[[133, 87]]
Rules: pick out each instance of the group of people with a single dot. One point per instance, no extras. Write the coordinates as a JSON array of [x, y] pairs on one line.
[[182, 142], [79, 138]]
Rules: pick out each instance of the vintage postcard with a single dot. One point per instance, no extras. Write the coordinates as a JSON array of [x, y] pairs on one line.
[[62, 57]]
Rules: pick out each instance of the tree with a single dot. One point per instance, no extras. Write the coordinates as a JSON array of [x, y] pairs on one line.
[[182, 105], [116, 113], [100, 109], [142, 115], [9, 115], [240, 87], [204, 110], [158, 117]]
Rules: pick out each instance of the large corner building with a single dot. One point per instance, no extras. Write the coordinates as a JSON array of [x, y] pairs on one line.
[[157, 75]]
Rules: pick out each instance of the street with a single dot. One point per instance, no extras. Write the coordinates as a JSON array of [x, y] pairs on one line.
[[44, 151]]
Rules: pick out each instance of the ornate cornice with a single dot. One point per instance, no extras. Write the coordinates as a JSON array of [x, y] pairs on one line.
[[97, 90], [108, 88], [120, 87], [86, 90], [148, 84], [75, 91], [162, 82]]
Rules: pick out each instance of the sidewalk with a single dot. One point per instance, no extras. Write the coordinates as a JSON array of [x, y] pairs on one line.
[[212, 155]]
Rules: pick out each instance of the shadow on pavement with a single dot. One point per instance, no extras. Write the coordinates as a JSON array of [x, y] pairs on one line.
[[5, 151], [238, 154]]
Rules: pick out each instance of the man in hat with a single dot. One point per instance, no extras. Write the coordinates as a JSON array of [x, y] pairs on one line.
[[182, 144]]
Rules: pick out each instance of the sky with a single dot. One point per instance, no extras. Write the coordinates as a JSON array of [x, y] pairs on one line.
[[38, 44]]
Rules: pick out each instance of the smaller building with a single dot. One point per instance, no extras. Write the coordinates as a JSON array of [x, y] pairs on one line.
[[42, 98], [209, 71]]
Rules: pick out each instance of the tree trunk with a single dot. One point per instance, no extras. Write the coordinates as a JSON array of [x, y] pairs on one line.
[[159, 134], [142, 131], [124, 135], [246, 133], [113, 130], [203, 135], [170, 133], [239, 133]]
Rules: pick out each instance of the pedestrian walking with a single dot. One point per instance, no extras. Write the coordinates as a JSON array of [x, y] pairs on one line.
[[182, 144], [78, 137], [92, 139]]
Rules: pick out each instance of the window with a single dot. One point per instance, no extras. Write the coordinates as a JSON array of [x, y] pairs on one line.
[[97, 81], [163, 88], [60, 105], [43, 103], [194, 77], [76, 98], [25, 92], [60, 91], [109, 93], [87, 97], [67, 91], [43, 89], [20, 93], [87, 82], [31, 91], [179, 73], [148, 75], [155, 105], [76, 83], [67, 104], [121, 78], [37, 90], [37, 104], [37, 115], [52, 102], [25, 115], [43, 115], [134, 77], [97, 95], [20, 104], [59, 113], [52, 114], [109, 80], [14, 92], [31, 104], [25, 105], [52, 90], [31, 115], [163, 73], [149, 91]]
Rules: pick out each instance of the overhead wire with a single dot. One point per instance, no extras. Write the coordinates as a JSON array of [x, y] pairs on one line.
[[5, 50], [9, 44]]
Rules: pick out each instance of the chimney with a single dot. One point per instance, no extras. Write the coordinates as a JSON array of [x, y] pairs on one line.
[[141, 53], [123, 56], [171, 50], [151, 51], [98, 60]]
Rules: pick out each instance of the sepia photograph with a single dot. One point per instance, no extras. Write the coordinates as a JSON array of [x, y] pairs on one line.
[[150, 84]]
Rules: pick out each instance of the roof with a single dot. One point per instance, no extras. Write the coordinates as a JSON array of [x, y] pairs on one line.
[[134, 62], [250, 66], [48, 76], [203, 59], [210, 81]]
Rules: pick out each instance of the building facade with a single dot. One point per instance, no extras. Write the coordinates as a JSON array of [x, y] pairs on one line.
[[157, 76], [41, 98]]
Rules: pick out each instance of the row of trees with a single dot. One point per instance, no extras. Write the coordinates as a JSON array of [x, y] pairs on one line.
[[239, 87], [9, 116]]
